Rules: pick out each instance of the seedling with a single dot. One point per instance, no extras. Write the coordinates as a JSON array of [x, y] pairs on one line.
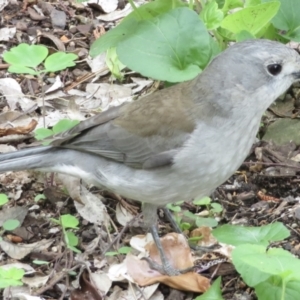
[[122, 250], [214, 292], [40, 262], [61, 126], [10, 224], [212, 207], [26, 59], [68, 221], [11, 277], [273, 273], [199, 221], [34, 60], [39, 197], [3, 199]]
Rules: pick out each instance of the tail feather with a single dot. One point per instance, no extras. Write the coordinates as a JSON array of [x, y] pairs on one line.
[[31, 158]]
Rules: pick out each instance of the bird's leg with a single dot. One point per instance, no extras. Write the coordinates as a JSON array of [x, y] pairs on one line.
[[177, 229], [172, 221], [150, 220], [166, 267]]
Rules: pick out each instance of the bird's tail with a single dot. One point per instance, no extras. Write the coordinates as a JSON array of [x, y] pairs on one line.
[[31, 158]]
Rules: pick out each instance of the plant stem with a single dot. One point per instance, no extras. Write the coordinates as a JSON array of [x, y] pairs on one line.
[[135, 9], [219, 39]]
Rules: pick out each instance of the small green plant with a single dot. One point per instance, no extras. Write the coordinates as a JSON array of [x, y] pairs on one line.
[[39, 197], [168, 40], [212, 207], [68, 221], [60, 126], [273, 273], [199, 221], [121, 250], [26, 59], [214, 292], [178, 214], [40, 262], [3, 199], [153, 40], [10, 224], [11, 277], [34, 60]]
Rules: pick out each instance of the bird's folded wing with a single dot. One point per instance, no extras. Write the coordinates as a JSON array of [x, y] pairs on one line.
[[143, 134]]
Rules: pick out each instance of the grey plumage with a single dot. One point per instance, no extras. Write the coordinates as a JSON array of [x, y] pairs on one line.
[[178, 143], [184, 133]]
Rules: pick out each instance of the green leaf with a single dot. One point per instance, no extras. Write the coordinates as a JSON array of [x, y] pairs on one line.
[[11, 224], [114, 36], [69, 221], [22, 70], [71, 239], [251, 19], [195, 239], [3, 199], [155, 8], [111, 253], [253, 2], [124, 250], [263, 235], [226, 34], [74, 249], [129, 24], [55, 221], [274, 288], [231, 4], [287, 19], [39, 197], [203, 201], [26, 55], [216, 207], [211, 15], [60, 61], [185, 226], [173, 207], [11, 277], [42, 133], [60, 126], [176, 43], [214, 292], [244, 35], [190, 215], [64, 125], [208, 222], [40, 262], [257, 265], [114, 64], [72, 273]]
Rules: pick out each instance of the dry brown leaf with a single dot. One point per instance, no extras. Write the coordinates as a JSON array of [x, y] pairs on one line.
[[19, 129], [179, 255], [143, 275], [207, 238]]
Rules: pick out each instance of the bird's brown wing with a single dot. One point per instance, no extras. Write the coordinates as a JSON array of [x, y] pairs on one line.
[[146, 133]]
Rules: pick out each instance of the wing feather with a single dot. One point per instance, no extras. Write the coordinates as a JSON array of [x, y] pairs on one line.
[[140, 135]]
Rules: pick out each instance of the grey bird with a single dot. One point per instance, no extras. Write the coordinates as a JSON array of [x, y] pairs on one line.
[[177, 143]]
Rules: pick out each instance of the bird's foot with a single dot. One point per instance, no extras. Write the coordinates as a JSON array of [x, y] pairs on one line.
[[166, 268]]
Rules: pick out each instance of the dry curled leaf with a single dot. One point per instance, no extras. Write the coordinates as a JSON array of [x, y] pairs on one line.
[[19, 129]]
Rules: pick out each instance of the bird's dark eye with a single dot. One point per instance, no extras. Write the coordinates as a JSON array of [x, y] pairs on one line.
[[274, 69]]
